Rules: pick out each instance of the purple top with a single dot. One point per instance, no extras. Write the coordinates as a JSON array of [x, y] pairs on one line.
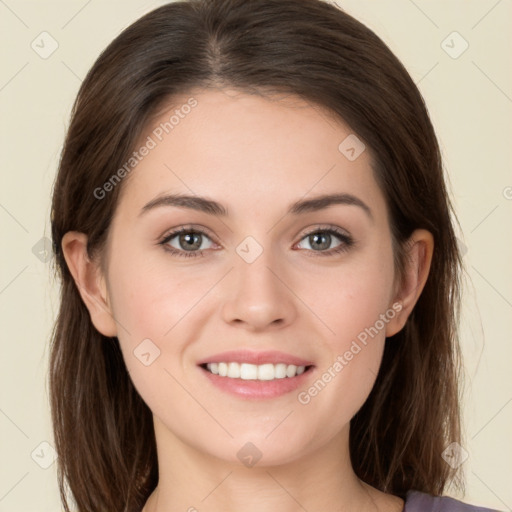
[[416, 501]]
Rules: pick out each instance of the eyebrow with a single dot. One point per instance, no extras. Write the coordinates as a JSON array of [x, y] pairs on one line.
[[212, 207]]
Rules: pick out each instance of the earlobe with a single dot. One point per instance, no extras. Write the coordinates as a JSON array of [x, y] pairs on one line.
[[89, 281], [419, 252]]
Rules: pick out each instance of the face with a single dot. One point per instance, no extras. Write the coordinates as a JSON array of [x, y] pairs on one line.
[[252, 281]]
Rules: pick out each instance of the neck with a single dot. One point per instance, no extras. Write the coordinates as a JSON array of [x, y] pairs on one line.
[[191, 480]]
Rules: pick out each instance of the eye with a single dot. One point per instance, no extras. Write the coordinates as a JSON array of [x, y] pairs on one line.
[[190, 242], [321, 239], [186, 242]]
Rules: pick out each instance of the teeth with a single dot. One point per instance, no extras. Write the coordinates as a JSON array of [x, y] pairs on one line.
[[223, 369], [233, 370], [247, 371], [291, 370]]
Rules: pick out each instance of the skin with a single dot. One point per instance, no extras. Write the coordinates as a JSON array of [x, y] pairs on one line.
[[255, 156]]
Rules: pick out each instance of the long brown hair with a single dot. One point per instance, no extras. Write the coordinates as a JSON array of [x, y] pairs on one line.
[[103, 429]]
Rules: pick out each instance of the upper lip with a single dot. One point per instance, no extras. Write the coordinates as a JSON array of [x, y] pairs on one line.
[[255, 357]]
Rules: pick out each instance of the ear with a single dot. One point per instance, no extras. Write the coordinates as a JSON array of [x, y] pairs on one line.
[[419, 251], [90, 282]]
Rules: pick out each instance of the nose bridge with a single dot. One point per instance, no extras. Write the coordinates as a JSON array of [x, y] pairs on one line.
[[258, 298]]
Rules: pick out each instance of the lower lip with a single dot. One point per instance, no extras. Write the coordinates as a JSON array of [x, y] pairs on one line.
[[258, 389]]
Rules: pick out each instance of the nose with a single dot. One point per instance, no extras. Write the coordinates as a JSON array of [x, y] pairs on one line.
[[258, 296]]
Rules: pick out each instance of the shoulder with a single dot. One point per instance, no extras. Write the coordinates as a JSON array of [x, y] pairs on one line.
[[416, 501]]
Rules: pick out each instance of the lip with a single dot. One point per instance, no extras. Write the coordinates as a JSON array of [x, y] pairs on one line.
[[256, 389], [255, 357]]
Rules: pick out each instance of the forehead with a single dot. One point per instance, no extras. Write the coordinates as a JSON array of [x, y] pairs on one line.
[[248, 151]]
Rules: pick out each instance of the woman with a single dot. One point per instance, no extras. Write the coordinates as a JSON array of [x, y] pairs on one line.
[[260, 272]]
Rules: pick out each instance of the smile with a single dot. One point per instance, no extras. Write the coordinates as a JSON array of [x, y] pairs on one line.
[[246, 371]]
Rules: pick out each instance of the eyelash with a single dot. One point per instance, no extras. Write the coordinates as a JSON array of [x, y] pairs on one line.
[[347, 242]]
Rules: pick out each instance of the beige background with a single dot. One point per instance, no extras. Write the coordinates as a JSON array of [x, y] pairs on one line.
[[470, 100]]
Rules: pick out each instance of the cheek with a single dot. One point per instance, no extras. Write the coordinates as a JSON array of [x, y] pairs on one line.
[[151, 296], [155, 304], [356, 309], [354, 295]]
